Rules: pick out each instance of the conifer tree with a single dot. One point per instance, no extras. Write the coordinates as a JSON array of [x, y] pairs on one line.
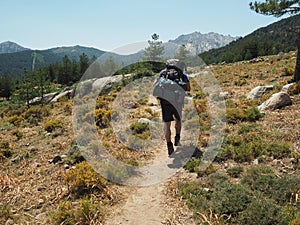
[[6, 86], [155, 50], [279, 8]]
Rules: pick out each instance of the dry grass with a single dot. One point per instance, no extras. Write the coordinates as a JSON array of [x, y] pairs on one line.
[[31, 188]]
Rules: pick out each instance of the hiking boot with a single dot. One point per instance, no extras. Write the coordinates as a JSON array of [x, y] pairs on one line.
[[177, 141], [170, 148]]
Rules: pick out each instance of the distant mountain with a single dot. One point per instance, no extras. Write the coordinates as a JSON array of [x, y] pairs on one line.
[[14, 63], [197, 42], [269, 40], [11, 47]]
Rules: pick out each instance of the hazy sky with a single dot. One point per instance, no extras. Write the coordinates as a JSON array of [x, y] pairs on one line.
[[109, 24]]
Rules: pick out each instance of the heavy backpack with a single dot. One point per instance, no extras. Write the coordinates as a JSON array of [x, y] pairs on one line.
[[168, 86]]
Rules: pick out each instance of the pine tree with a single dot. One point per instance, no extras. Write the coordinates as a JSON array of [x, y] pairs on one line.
[[279, 8], [6, 86], [155, 50]]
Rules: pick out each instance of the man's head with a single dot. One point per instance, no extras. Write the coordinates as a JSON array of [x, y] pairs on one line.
[[175, 63]]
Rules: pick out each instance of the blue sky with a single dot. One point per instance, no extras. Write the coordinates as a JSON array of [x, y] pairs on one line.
[[109, 24]]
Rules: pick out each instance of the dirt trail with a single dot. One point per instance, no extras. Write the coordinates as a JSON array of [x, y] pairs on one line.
[[143, 206], [153, 204], [149, 205]]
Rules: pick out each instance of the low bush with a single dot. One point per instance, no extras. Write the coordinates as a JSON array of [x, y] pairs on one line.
[[5, 150], [289, 71], [51, 125], [88, 211], [263, 212], [84, 179], [35, 114], [248, 146], [230, 199], [103, 117], [235, 115], [235, 171], [260, 198], [15, 120], [19, 134], [141, 130]]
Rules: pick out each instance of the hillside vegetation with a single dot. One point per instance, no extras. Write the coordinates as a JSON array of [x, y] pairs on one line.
[[45, 180], [269, 40], [13, 64]]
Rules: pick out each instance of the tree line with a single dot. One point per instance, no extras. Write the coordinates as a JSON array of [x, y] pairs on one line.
[[35, 83]]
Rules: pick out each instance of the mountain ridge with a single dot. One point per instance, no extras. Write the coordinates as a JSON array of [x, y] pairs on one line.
[[13, 61], [11, 47], [198, 42]]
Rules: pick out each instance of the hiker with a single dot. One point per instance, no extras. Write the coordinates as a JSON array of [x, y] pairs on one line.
[[172, 108]]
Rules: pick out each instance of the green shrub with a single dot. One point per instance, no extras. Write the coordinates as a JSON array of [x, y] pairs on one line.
[[259, 178], [235, 171], [5, 213], [103, 117], [35, 114], [5, 150], [230, 199], [83, 179], [88, 211], [235, 115], [208, 170], [141, 130], [216, 179], [240, 82], [263, 212], [15, 120], [196, 196], [53, 124], [247, 147], [247, 128], [192, 165], [278, 150], [289, 71], [74, 155], [18, 134], [284, 189]]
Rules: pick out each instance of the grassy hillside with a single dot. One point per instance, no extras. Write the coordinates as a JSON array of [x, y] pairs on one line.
[[44, 179]]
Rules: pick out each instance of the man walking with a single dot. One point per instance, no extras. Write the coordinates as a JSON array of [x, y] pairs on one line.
[[172, 99]]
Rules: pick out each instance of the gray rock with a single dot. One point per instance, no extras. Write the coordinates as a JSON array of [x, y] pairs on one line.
[[285, 88], [277, 101], [224, 94], [41, 216], [255, 162], [144, 120], [108, 81], [258, 91], [68, 93], [47, 98]]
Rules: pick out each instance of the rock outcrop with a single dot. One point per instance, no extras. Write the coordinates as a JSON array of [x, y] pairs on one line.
[[276, 101]]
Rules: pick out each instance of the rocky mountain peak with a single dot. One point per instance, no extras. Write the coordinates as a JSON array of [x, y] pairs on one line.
[[11, 47], [197, 42]]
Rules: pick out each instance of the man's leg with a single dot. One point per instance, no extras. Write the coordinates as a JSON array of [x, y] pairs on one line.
[[178, 130], [167, 129]]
